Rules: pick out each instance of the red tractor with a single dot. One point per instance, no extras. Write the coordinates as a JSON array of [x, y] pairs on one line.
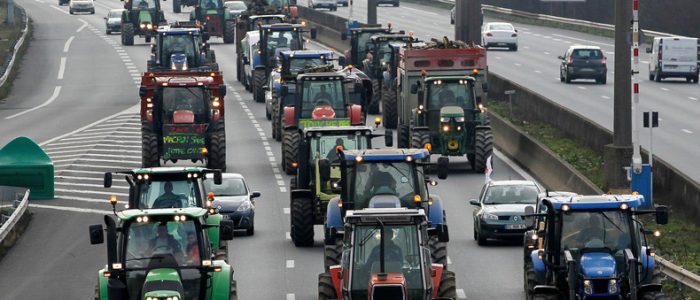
[[182, 118]]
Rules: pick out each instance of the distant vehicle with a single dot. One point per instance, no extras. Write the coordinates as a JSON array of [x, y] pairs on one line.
[[452, 14], [113, 21], [342, 2], [583, 62], [497, 34], [674, 57], [395, 3], [81, 6], [331, 5], [234, 201], [235, 8], [501, 206], [63, 2]]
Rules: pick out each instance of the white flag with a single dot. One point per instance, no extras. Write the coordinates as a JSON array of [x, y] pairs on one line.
[[488, 170]]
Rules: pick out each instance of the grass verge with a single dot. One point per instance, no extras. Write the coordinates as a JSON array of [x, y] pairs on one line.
[[8, 38]]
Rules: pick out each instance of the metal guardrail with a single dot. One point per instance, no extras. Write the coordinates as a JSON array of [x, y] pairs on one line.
[[12, 194], [679, 274], [18, 45]]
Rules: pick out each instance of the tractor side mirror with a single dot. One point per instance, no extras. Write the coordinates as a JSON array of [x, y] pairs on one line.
[[97, 234], [142, 92], [443, 167], [226, 230], [529, 211], [313, 32], [254, 195], [343, 36], [648, 49], [342, 62], [222, 91], [443, 234], [414, 89], [324, 169], [217, 177], [389, 138], [475, 202], [662, 215], [106, 19], [560, 57], [108, 180], [284, 90]]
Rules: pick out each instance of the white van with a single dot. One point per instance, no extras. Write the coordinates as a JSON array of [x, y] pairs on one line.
[[674, 57], [250, 48]]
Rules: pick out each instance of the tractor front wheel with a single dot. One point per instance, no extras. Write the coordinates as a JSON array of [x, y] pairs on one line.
[[216, 157], [483, 147], [127, 34], [229, 29], [389, 108], [403, 137], [530, 280], [302, 218], [258, 83], [376, 97], [438, 251], [149, 149], [332, 254], [233, 295], [418, 140], [290, 148], [448, 285], [326, 290]]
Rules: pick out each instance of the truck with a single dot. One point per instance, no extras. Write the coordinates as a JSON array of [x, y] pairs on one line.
[[441, 103], [141, 19], [182, 118], [181, 46], [215, 18]]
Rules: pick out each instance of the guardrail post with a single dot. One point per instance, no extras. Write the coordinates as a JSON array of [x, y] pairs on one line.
[[468, 19], [10, 12]]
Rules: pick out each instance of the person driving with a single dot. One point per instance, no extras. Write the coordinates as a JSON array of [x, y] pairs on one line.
[[447, 97], [322, 95], [192, 247], [392, 252], [168, 199], [382, 183], [332, 154], [143, 4], [165, 242], [591, 234]]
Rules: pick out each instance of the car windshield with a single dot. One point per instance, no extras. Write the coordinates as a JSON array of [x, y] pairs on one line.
[[448, 93], [384, 178], [402, 255], [595, 230], [283, 39], [115, 14], [236, 5], [587, 54], [148, 4], [298, 64], [324, 145], [228, 187], [507, 27], [511, 194], [166, 194], [181, 102], [320, 93]]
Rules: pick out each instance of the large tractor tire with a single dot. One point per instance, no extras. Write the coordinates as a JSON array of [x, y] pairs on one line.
[[529, 281], [233, 295], [302, 222], [276, 120], [438, 251], [418, 140], [448, 285], [483, 148], [290, 148], [389, 108], [177, 8], [545, 297], [217, 151], [258, 84], [326, 290], [229, 32], [127, 34], [376, 98], [149, 149], [403, 137], [332, 254], [239, 70]]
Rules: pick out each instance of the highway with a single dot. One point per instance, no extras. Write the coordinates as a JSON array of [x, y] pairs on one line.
[[535, 65], [90, 125]]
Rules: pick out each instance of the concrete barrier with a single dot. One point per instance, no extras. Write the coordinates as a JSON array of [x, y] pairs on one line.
[[328, 27]]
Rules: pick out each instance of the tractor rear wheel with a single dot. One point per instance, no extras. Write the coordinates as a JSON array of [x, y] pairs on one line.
[[332, 254], [376, 97], [217, 151], [326, 290], [389, 108], [176, 6], [483, 147], [403, 139], [149, 148], [302, 222], [258, 84], [233, 295], [127, 34], [448, 285], [229, 29], [276, 120], [290, 148], [438, 251]]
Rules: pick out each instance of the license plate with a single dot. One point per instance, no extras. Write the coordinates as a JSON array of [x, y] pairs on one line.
[[586, 70], [516, 226], [225, 217]]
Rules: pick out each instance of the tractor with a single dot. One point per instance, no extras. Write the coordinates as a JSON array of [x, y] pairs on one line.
[[178, 4], [215, 18], [181, 47], [591, 247], [318, 149], [322, 100], [247, 45], [142, 19], [383, 178], [162, 254], [439, 102], [386, 255], [182, 118], [273, 38]]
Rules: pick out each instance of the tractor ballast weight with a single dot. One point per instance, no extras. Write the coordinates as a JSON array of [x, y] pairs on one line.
[[141, 19], [182, 118], [273, 38], [215, 18], [181, 47], [591, 247]]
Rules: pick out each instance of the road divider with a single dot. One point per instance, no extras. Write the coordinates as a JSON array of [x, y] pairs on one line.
[[14, 216]]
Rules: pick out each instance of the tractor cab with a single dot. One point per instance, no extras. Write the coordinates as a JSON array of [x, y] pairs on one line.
[[162, 253], [381, 47], [359, 88], [215, 18], [180, 49], [386, 255], [141, 18], [276, 37], [592, 246], [292, 63], [359, 42]]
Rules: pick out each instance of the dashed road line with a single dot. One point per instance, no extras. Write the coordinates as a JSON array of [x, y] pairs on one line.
[[72, 209], [61, 68], [461, 294], [693, 98], [66, 47], [665, 89], [285, 210], [687, 131], [581, 87], [59, 9], [582, 40], [290, 297], [290, 264], [605, 97]]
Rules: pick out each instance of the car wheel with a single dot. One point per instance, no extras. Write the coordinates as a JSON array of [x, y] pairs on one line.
[[567, 77], [480, 239], [561, 76], [657, 76], [514, 47], [604, 79], [108, 32]]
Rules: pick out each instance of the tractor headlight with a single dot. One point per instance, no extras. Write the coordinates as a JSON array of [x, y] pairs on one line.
[[149, 26], [459, 119], [245, 206], [587, 287], [612, 286], [444, 119], [488, 216], [446, 128], [142, 25]]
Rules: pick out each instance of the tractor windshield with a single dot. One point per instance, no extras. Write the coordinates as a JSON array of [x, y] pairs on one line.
[[299, 64], [210, 4], [325, 145], [167, 194], [163, 244], [179, 44], [596, 230], [363, 43], [443, 93], [277, 3], [283, 39], [396, 178], [145, 4], [318, 93], [184, 105], [257, 21], [401, 255]]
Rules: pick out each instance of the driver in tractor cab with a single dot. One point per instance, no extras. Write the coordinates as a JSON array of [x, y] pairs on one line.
[[323, 95], [382, 184], [168, 199], [165, 241], [393, 254], [143, 4], [192, 248], [591, 233], [447, 98], [209, 4], [332, 155]]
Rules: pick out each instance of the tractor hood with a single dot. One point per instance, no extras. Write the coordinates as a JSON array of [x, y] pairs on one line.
[[163, 283], [597, 265], [451, 112], [145, 16]]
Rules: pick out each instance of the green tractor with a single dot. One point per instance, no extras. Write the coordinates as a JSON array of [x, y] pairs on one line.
[[319, 148], [141, 18], [215, 18], [162, 254]]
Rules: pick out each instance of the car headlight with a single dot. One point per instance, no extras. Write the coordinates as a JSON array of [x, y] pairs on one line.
[[612, 286], [246, 205], [488, 216], [587, 288]]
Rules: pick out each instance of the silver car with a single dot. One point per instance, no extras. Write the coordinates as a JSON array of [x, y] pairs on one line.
[[235, 7], [113, 21], [331, 5], [81, 6], [498, 34]]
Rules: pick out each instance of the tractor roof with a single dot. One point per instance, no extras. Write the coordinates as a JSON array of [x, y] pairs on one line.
[[386, 215], [322, 76], [370, 29], [338, 129], [450, 78], [386, 154], [281, 27], [169, 170], [181, 78], [267, 17], [306, 53], [191, 212], [178, 31], [390, 37], [596, 202]]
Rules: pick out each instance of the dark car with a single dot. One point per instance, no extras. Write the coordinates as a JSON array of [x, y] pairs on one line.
[[342, 2], [113, 21], [583, 62], [501, 207], [395, 3], [235, 8], [234, 201]]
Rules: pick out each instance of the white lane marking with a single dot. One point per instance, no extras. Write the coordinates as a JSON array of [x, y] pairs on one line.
[[53, 97], [498, 57], [101, 167], [278, 176], [90, 192], [120, 143], [78, 178], [89, 185], [449, 261], [582, 40], [581, 88], [547, 37], [85, 172], [128, 162], [72, 209], [664, 89], [283, 189], [610, 52], [285, 210], [279, 182], [81, 27], [461, 294], [59, 9], [693, 98], [68, 42], [538, 71], [287, 236], [546, 53], [92, 155], [517, 65], [290, 296], [687, 131], [526, 47], [62, 68], [290, 264], [605, 97], [81, 199]]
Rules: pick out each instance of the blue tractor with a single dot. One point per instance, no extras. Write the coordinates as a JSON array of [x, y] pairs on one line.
[[385, 178], [273, 38], [181, 46], [591, 247]]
